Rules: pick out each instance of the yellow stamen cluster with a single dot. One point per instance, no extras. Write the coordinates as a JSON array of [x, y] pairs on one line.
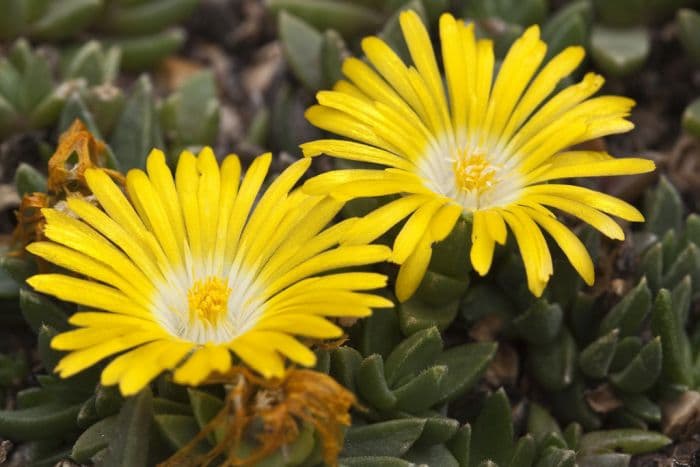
[[207, 300], [474, 172]]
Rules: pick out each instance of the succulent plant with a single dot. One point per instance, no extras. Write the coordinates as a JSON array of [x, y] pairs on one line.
[[138, 28]]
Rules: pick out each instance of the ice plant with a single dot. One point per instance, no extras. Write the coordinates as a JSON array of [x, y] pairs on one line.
[[188, 270], [478, 144]]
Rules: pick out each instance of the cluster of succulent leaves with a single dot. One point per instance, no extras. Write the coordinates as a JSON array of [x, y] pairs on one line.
[[418, 373], [132, 122], [143, 30]]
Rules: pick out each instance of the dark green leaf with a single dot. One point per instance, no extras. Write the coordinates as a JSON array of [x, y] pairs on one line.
[[137, 131], [205, 407], [619, 52], [465, 365], [412, 355], [142, 52], [553, 365], [441, 291], [642, 371], [492, 432], [540, 422], [437, 454], [629, 313], [557, 457], [663, 209], [302, 45], [605, 460], [393, 438], [94, 439], [460, 445], [40, 422], [66, 18], [372, 384], [421, 392], [596, 358], [415, 315], [540, 324], [129, 446], [629, 441], [40, 311], [664, 323], [345, 361]]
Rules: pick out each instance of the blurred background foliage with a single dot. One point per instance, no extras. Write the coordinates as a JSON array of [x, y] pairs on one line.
[[470, 372]]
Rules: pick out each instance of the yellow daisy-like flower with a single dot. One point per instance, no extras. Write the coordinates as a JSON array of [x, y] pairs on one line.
[[474, 144], [187, 270]]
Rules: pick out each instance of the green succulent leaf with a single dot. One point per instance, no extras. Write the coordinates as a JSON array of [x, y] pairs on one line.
[[568, 26], [137, 130], [557, 457], [416, 315], [94, 439], [65, 18], [619, 52], [372, 384], [465, 365], [629, 441], [460, 445], [373, 461], [438, 429], [144, 17], [421, 392], [413, 355], [524, 452], [345, 362], [439, 290], [302, 45], [596, 358], [348, 18], [629, 313], [29, 180], [664, 323], [393, 438], [642, 407], [177, 430], [492, 432], [615, 459], [204, 407], [379, 333], [540, 422], [652, 264], [663, 209], [40, 422], [142, 52], [688, 22], [130, 443], [540, 323], [643, 370], [553, 365], [437, 454], [524, 13]]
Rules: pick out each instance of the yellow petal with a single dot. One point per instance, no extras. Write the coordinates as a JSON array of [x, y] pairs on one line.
[[483, 244], [572, 247], [413, 269]]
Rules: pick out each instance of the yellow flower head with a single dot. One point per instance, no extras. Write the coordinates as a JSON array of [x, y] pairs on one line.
[[187, 270], [474, 144]]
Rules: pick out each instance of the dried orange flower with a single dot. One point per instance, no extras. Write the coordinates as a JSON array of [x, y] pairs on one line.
[[276, 410], [90, 152], [64, 178]]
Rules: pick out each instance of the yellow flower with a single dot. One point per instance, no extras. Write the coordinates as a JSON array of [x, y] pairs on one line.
[[190, 269], [475, 144]]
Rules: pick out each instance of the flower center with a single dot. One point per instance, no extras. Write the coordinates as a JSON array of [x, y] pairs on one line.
[[208, 300], [473, 172]]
